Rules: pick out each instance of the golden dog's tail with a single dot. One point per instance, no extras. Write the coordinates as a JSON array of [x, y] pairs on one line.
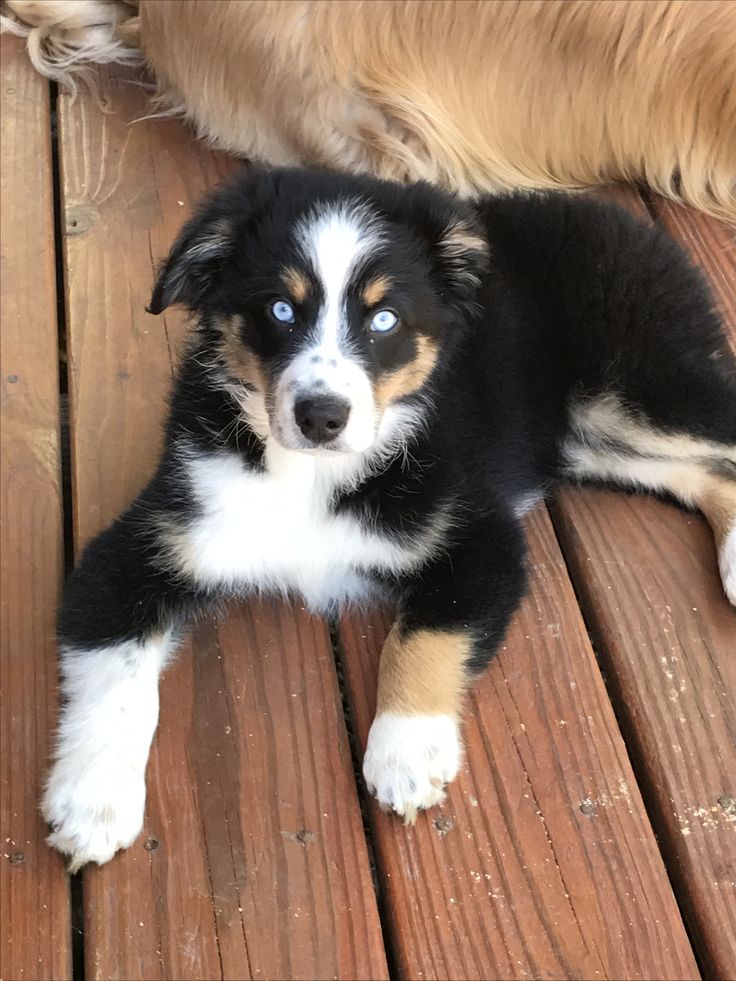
[[64, 37]]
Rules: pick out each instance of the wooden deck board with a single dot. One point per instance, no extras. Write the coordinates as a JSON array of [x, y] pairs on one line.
[[511, 879], [253, 862], [33, 884], [646, 575]]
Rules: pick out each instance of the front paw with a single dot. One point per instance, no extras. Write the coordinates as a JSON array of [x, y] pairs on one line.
[[94, 809], [409, 759]]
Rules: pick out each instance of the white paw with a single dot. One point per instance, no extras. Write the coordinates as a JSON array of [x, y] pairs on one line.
[[409, 759], [94, 809], [727, 565]]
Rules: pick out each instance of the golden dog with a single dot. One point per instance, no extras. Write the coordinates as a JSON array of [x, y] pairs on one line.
[[475, 95]]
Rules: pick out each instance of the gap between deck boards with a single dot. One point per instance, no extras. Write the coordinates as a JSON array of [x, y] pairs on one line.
[[76, 882], [363, 798]]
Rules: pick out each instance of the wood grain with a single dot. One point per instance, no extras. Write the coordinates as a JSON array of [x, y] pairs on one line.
[[542, 862], [253, 862], [33, 884], [646, 575]]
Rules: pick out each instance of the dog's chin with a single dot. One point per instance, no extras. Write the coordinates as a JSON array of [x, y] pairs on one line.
[[298, 444]]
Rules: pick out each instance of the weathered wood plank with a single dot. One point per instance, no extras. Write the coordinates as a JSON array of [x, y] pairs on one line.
[[542, 862], [648, 582], [253, 861], [33, 884]]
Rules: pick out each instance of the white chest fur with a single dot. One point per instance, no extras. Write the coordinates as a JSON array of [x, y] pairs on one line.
[[274, 530]]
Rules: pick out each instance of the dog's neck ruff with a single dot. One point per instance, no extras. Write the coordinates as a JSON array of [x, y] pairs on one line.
[[276, 529]]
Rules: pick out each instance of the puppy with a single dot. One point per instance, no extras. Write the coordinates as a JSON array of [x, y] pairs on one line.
[[475, 95], [381, 382]]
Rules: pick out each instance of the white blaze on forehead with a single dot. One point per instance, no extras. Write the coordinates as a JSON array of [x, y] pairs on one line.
[[337, 241]]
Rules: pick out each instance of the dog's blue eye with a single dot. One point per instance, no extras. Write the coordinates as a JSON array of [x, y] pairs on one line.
[[384, 321], [283, 312]]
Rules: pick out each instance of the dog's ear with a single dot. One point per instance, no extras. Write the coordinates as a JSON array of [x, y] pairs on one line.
[[454, 236], [463, 253], [195, 259]]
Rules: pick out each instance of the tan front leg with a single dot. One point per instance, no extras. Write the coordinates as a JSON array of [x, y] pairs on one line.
[[414, 746], [423, 673]]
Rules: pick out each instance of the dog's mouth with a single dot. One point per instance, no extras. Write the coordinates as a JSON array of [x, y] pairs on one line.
[[312, 449]]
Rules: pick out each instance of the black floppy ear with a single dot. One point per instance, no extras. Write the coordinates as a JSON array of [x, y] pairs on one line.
[[196, 257], [464, 254]]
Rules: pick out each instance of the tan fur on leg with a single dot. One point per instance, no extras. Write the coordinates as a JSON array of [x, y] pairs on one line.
[[718, 504], [690, 468], [414, 746], [423, 672]]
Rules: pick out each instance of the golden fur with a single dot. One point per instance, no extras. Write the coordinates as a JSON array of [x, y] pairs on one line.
[[471, 94]]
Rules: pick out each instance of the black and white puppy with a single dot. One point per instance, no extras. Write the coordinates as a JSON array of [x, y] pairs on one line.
[[382, 381]]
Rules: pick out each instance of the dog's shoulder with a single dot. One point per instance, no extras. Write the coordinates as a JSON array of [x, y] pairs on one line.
[[585, 252], [546, 224]]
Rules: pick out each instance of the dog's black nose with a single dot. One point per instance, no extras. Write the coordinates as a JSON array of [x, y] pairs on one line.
[[322, 417]]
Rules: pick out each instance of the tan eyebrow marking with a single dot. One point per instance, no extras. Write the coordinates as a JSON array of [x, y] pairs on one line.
[[375, 290], [296, 283]]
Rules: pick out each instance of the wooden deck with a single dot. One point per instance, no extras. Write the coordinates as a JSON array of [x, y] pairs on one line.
[[592, 833]]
